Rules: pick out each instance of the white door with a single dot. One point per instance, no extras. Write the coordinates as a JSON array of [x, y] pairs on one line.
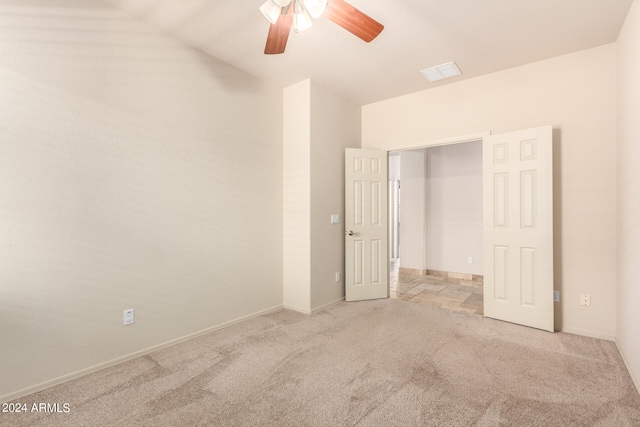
[[366, 247], [518, 227]]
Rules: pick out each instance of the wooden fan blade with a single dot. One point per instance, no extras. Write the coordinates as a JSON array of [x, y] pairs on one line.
[[278, 35], [353, 20]]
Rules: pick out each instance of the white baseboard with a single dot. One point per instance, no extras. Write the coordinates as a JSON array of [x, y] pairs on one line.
[[77, 374], [327, 305], [632, 374], [588, 334], [299, 310], [313, 310]]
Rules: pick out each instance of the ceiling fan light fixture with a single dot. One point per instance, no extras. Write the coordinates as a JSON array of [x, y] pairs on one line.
[[297, 15], [315, 7], [271, 11], [301, 18]]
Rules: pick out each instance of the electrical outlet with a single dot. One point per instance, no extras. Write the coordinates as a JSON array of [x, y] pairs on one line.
[[128, 317], [337, 276], [585, 300], [556, 296], [470, 260]]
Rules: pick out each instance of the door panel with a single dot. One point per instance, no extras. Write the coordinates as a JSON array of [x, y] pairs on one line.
[[366, 247], [518, 227]]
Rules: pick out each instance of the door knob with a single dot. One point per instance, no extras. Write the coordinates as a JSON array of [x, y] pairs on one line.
[[351, 233]]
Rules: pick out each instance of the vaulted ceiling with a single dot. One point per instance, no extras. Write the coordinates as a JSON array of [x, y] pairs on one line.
[[481, 36]]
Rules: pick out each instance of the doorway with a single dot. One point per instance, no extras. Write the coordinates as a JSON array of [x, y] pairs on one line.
[[517, 182], [436, 226]]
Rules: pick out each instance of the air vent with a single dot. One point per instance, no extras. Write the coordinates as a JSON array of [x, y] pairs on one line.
[[441, 72]]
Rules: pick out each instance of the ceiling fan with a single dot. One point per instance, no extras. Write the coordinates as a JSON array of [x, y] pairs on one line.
[[285, 14]]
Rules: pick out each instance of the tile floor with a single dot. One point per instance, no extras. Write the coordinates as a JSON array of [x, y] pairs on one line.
[[444, 292]]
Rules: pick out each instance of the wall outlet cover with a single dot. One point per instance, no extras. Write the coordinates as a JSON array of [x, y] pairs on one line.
[[585, 300]]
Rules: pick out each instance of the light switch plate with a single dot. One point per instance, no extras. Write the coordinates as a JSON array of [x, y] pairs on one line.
[[128, 317], [335, 219]]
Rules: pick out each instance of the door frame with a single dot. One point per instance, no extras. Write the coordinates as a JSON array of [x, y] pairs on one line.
[[437, 143], [456, 140]]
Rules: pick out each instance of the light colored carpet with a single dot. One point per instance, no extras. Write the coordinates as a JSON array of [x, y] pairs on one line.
[[372, 363]]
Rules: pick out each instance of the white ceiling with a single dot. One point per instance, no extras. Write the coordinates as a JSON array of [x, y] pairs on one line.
[[481, 36]]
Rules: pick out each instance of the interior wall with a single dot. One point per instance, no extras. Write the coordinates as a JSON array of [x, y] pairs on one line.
[[335, 125], [628, 200], [297, 197], [576, 94], [135, 173], [413, 219], [454, 207], [318, 126]]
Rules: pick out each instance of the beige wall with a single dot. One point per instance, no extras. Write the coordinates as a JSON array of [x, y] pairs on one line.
[[413, 222], [628, 248], [134, 173], [574, 93], [441, 212], [297, 197], [318, 126], [335, 125], [454, 207]]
